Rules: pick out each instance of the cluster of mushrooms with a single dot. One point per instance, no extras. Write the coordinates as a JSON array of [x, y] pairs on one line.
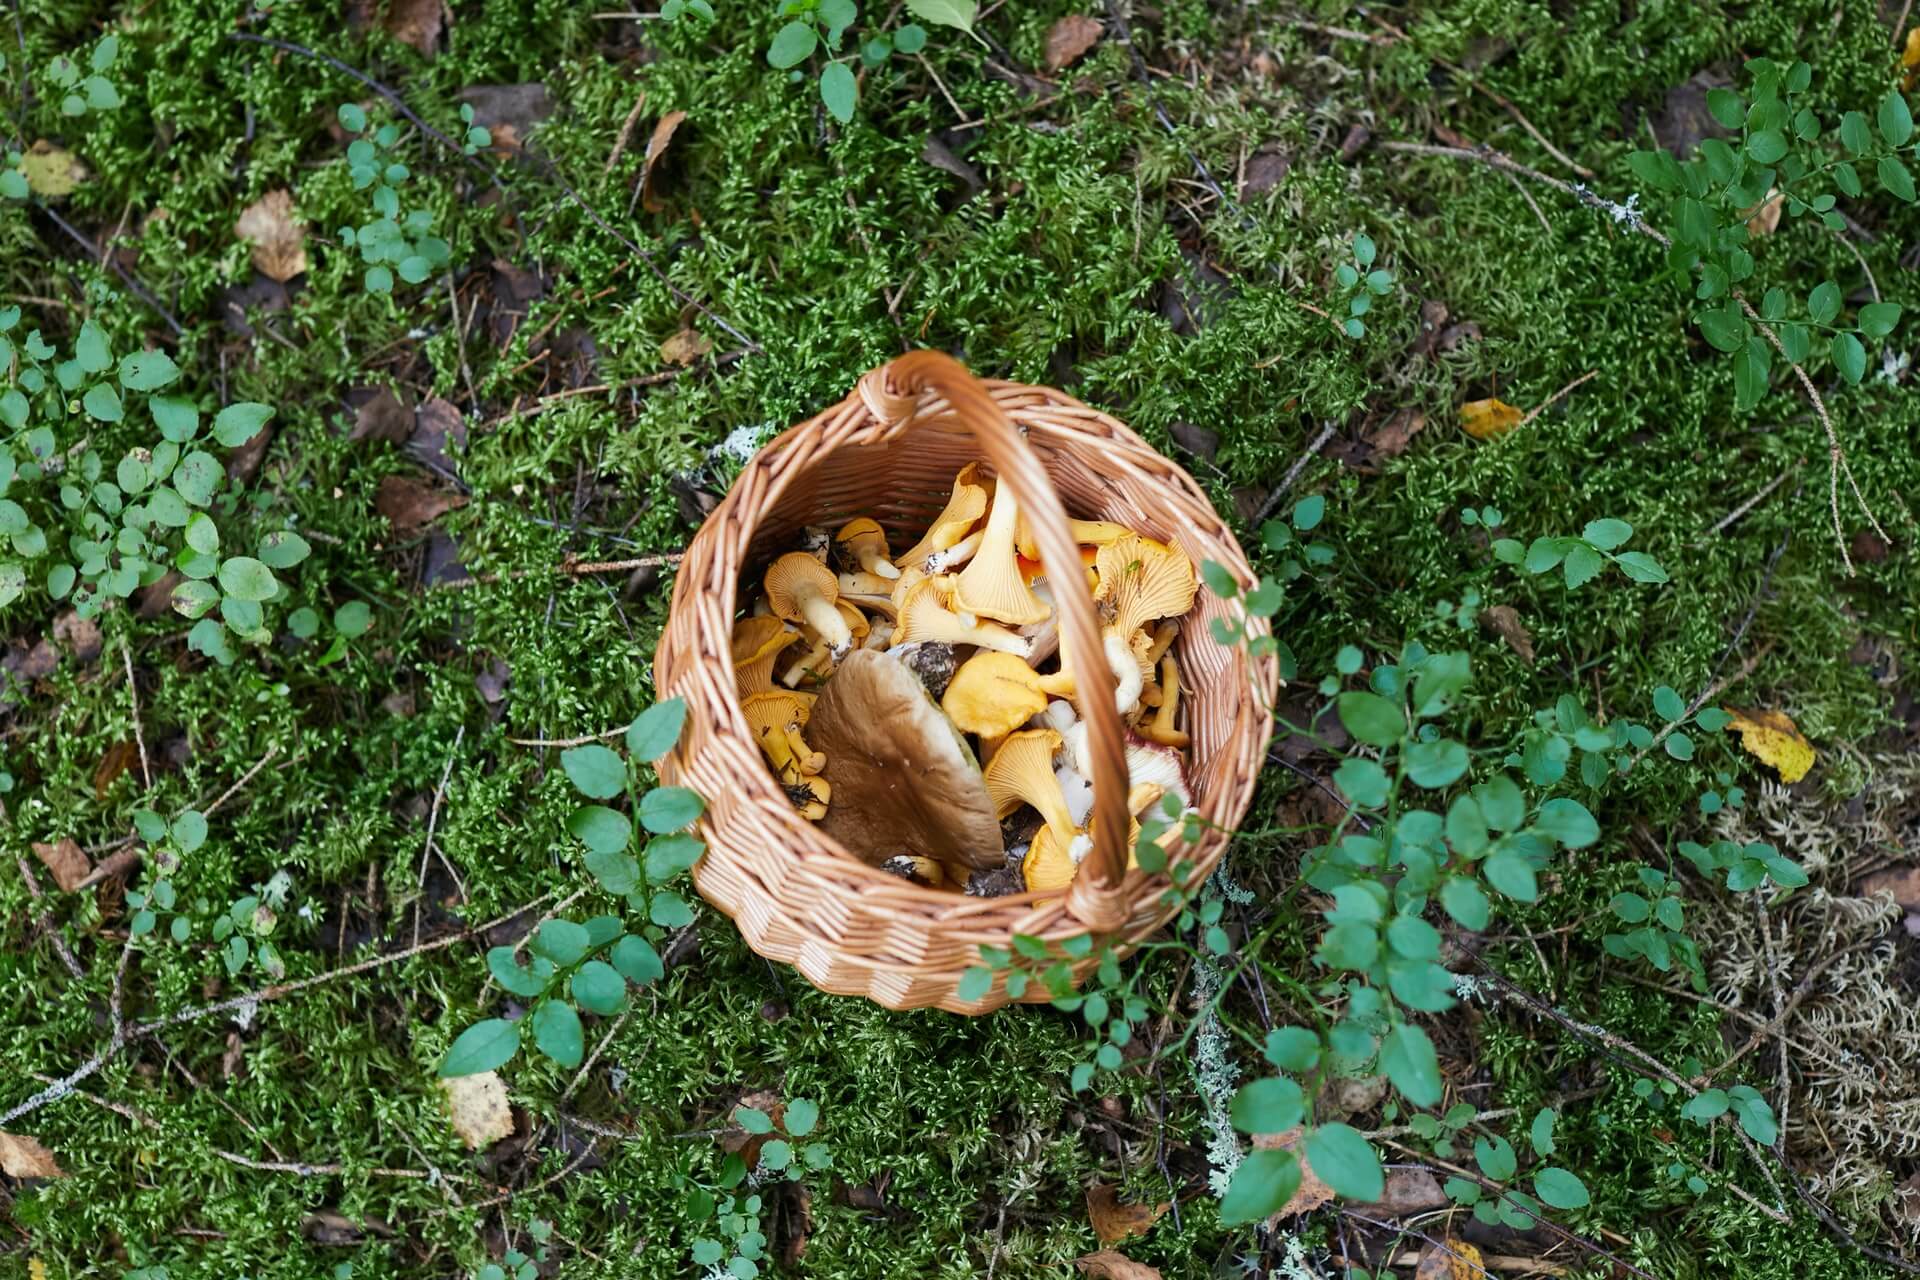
[[902, 703]]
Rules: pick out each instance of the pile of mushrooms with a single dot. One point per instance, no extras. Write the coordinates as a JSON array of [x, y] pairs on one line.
[[917, 706]]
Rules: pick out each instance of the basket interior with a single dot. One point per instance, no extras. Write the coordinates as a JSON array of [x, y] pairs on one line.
[[904, 482]]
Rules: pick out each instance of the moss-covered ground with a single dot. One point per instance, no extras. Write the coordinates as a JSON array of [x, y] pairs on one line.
[[1120, 231]]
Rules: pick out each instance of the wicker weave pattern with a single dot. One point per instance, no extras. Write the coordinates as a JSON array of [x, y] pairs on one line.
[[890, 454]]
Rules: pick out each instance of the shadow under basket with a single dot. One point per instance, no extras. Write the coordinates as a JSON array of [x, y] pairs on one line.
[[890, 451]]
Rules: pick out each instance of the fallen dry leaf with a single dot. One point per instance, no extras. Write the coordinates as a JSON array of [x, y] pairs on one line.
[[24, 1157], [416, 22], [1391, 438], [684, 347], [650, 167], [52, 171], [799, 1223], [80, 635], [410, 504], [1770, 736], [477, 1105], [65, 862], [1764, 218], [1312, 1192], [1454, 1259], [1902, 882], [1408, 1191], [735, 1138], [120, 757], [436, 423], [278, 235], [1504, 621], [1113, 1220], [1487, 419], [384, 417], [1069, 39], [509, 112], [1108, 1265]]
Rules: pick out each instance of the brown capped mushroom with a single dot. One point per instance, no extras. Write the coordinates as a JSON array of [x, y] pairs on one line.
[[1021, 772], [801, 589], [965, 505], [992, 586], [994, 693], [924, 617], [904, 778], [863, 544], [757, 643]]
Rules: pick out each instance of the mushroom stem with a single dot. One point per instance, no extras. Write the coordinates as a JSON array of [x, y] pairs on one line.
[[957, 554]]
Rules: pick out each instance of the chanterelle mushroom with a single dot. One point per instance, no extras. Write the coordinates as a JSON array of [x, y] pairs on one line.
[[923, 617], [1021, 772], [864, 544], [992, 693], [817, 661], [1161, 728], [992, 585], [1085, 533], [965, 505], [1141, 580], [756, 644], [801, 589], [904, 779], [775, 720]]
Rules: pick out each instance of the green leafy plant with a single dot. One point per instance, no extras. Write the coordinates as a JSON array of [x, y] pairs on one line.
[[84, 92], [672, 10], [736, 1245], [515, 1264], [818, 26], [123, 529], [1783, 150], [1582, 559], [393, 242], [1356, 283], [1658, 918], [168, 842], [575, 966]]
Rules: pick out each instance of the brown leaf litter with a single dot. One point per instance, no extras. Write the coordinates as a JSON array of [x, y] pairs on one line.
[[277, 233]]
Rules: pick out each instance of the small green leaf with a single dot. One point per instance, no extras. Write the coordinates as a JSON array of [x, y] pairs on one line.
[[247, 579], [1640, 566], [595, 771], [1895, 119], [958, 14], [1308, 512], [1877, 319], [1261, 1186], [1568, 821], [1465, 902], [1345, 1162], [1511, 873], [1495, 1157], [655, 731], [558, 1034], [90, 349], [669, 855], [667, 809], [1540, 1134], [1371, 718], [802, 1115], [838, 90], [792, 45], [637, 961], [283, 549], [1408, 1058], [1272, 1104], [523, 982], [1436, 764], [1608, 534], [238, 423], [1849, 357], [1896, 178], [564, 942], [1560, 1188], [147, 371], [102, 403], [481, 1047], [598, 988]]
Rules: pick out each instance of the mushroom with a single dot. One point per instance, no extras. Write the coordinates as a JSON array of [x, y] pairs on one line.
[[956, 555], [756, 642], [818, 660], [1161, 729], [1084, 532], [862, 583], [864, 544], [918, 870], [776, 719], [966, 504], [810, 796], [991, 585], [905, 779], [1051, 865], [801, 589], [994, 693], [1021, 772], [1141, 580], [923, 617], [1146, 762]]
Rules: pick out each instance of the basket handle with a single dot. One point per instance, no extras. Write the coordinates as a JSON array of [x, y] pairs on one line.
[[892, 391]]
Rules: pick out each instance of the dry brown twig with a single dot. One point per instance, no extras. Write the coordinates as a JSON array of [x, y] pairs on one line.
[[1837, 462]]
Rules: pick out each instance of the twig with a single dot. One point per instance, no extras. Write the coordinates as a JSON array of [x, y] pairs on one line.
[[626, 130], [64, 1086], [127, 277], [1752, 502], [1837, 462], [44, 922], [1556, 397], [331, 1170], [433, 821], [1532, 204], [644, 380], [133, 692], [1293, 472], [541, 1185], [581, 741], [573, 568]]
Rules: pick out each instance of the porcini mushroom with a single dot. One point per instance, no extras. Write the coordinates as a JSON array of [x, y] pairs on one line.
[[775, 720], [864, 545], [1021, 772], [966, 504], [905, 779], [923, 617], [801, 589], [1161, 728], [994, 693], [1084, 533], [991, 585], [756, 644]]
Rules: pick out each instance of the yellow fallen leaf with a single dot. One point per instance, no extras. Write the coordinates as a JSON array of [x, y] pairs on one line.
[[36, 1269], [1486, 419], [1910, 58], [1454, 1259], [684, 347], [477, 1105], [1772, 738], [52, 171]]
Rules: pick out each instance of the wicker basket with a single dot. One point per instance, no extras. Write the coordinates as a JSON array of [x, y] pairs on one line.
[[890, 451]]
